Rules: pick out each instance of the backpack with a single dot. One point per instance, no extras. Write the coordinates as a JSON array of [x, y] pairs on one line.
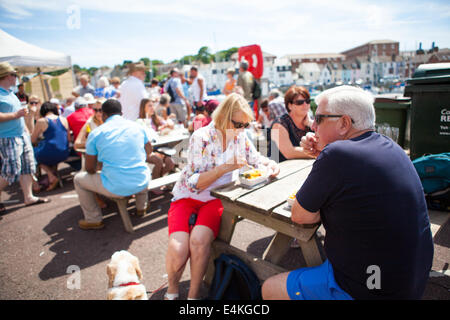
[[171, 92], [434, 173], [234, 280], [256, 90]]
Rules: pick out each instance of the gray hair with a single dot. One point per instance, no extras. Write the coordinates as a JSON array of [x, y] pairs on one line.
[[275, 93], [351, 101], [244, 65]]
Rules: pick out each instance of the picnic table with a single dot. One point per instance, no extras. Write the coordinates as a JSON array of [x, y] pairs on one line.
[[266, 205]]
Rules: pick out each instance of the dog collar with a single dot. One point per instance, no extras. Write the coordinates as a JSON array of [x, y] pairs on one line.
[[129, 284]]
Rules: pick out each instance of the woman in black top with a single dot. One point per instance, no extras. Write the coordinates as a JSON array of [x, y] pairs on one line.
[[287, 130]]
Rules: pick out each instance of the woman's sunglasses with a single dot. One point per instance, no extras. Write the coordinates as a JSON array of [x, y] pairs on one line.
[[239, 125], [34, 102], [97, 110], [299, 102]]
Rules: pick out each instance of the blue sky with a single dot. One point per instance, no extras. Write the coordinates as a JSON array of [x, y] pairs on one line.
[[116, 30]]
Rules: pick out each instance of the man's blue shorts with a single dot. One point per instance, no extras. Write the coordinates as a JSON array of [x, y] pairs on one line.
[[315, 283]]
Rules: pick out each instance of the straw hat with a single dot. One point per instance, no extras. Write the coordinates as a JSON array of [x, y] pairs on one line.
[[5, 69]]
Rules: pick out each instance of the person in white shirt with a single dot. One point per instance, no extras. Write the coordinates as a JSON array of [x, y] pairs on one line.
[[198, 87], [132, 91]]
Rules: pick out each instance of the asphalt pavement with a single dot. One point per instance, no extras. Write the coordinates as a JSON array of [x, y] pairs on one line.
[[45, 255]]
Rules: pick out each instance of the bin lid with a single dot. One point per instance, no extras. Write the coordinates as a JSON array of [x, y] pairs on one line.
[[438, 73]]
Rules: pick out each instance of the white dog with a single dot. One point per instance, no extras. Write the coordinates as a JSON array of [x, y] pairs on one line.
[[124, 275]]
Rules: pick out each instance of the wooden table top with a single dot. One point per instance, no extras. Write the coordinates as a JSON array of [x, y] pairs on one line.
[[270, 198]]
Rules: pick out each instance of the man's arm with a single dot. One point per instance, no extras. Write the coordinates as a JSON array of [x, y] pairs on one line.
[[302, 216], [13, 115], [200, 83], [90, 163]]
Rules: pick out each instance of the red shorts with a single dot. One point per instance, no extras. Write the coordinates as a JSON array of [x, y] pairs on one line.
[[208, 214]]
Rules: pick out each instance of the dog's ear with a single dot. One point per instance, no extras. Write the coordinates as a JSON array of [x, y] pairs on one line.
[[111, 271], [136, 266]]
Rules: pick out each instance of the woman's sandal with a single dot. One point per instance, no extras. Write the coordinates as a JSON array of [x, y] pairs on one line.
[[171, 296]]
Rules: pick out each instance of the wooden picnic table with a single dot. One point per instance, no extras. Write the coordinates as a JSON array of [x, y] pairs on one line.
[[266, 205]]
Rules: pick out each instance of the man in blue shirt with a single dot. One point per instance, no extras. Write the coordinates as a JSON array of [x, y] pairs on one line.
[[16, 151], [120, 148], [366, 192], [179, 105]]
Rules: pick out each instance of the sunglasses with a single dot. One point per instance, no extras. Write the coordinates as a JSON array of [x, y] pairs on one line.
[[239, 125], [299, 102], [34, 102], [97, 110], [13, 74], [319, 117]]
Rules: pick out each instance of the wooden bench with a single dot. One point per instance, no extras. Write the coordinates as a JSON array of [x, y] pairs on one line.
[[122, 202]]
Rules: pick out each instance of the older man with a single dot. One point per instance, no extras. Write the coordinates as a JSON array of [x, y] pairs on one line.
[[276, 104], [122, 148], [132, 91], [84, 87], [370, 200], [16, 151]]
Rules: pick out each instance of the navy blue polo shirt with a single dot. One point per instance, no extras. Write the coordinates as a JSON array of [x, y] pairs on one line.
[[373, 209]]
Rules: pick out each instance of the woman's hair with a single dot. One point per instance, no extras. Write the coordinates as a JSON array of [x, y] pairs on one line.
[[264, 103], [292, 93], [351, 101], [48, 107], [34, 97], [142, 114], [224, 112]]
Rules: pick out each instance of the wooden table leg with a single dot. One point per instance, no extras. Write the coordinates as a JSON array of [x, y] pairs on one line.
[[311, 252], [277, 248]]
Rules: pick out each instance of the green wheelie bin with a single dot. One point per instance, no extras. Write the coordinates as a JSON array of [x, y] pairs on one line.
[[429, 89]]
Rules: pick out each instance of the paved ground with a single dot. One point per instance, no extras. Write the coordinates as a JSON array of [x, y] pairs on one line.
[[40, 245]]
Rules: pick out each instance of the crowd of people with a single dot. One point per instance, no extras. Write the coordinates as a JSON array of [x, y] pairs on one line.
[[112, 122]]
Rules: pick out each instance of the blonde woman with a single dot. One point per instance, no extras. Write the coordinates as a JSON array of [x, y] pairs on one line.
[[215, 152], [34, 105]]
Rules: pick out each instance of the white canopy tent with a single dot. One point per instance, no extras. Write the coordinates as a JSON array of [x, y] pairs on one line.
[[27, 58]]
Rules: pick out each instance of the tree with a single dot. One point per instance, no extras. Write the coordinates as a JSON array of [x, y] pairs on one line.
[[204, 55]]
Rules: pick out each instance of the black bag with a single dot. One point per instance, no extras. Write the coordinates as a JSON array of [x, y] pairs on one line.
[[234, 280], [171, 92], [439, 200], [256, 90]]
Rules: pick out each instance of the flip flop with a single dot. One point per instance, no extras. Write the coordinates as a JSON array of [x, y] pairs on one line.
[[39, 201]]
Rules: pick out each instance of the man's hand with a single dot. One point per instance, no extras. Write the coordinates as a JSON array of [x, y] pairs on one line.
[[21, 113], [309, 145]]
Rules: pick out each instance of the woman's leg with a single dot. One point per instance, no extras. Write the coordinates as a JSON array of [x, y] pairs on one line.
[[176, 258], [200, 247], [50, 172]]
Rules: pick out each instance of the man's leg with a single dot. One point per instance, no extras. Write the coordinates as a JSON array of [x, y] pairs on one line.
[[142, 200], [86, 185]]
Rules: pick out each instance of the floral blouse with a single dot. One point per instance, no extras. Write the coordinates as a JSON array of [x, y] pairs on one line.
[[205, 153]]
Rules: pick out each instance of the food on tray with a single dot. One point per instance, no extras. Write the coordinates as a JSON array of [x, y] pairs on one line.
[[292, 196], [252, 174]]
